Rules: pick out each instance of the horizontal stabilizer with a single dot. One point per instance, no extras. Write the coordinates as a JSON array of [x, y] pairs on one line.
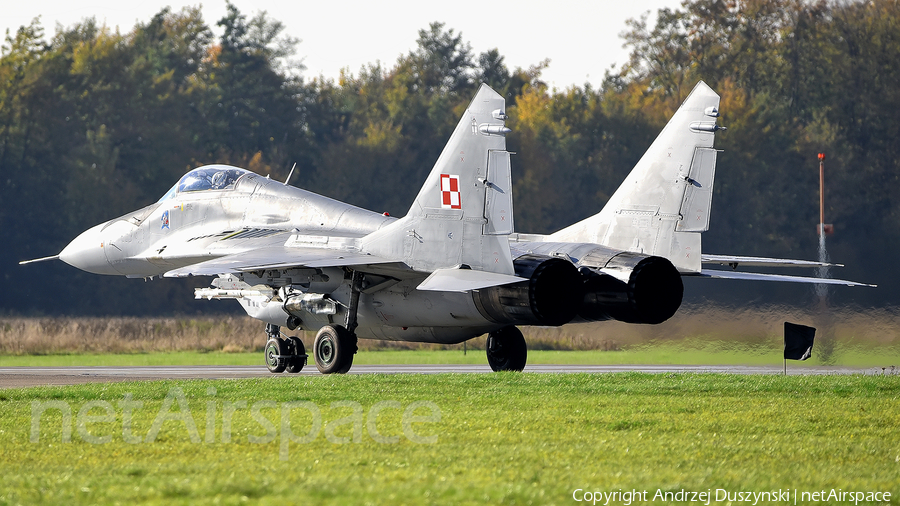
[[276, 258], [463, 280], [755, 276], [735, 261]]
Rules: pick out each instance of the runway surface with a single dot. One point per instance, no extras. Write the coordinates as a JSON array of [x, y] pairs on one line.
[[15, 377]]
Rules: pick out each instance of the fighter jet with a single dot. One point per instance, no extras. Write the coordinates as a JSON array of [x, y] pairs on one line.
[[453, 268]]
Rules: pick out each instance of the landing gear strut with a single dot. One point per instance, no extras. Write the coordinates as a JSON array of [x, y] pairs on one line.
[[506, 349], [283, 354], [335, 344]]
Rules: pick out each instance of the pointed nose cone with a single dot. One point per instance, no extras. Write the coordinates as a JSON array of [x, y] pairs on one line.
[[85, 252]]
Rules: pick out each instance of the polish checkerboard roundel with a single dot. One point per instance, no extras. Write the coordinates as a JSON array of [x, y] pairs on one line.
[[450, 196]]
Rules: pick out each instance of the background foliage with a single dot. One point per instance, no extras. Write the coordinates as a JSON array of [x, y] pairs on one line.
[[95, 123]]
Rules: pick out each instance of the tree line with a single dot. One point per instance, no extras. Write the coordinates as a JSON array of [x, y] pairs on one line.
[[95, 123]]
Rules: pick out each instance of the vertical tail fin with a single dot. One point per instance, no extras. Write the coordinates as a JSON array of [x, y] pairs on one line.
[[663, 205], [463, 213]]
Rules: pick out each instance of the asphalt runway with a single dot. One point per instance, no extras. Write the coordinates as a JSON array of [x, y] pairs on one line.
[[16, 377]]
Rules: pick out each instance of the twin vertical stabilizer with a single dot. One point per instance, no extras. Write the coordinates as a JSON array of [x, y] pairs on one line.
[[663, 205], [463, 215]]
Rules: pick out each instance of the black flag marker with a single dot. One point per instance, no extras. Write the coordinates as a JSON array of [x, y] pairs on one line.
[[798, 341]]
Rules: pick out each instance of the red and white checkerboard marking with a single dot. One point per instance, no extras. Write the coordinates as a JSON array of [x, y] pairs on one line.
[[450, 197]]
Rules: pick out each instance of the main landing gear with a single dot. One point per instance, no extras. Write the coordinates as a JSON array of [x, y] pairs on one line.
[[334, 349], [506, 349], [284, 354]]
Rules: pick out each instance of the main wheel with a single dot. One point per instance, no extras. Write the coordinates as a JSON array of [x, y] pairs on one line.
[[275, 352], [298, 355], [334, 349], [506, 350]]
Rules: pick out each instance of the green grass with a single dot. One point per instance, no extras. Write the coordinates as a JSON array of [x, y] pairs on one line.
[[501, 439], [699, 353]]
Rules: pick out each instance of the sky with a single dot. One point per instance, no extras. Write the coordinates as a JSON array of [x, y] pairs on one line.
[[580, 37]]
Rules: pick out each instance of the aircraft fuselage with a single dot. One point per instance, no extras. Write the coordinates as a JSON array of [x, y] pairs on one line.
[[184, 227], [187, 227]]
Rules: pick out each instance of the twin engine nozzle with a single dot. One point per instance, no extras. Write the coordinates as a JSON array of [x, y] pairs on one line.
[[607, 285]]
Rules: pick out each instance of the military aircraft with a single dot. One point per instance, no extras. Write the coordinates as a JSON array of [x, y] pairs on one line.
[[453, 268]]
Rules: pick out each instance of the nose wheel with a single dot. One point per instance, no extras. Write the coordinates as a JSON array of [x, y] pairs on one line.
[[506, 350], [276, 359], [283, 354], [298, 355]]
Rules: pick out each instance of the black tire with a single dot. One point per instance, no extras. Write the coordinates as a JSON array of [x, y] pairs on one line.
[[506, 350], [350, 347], [275, 351], [298, 359], [334, 349]]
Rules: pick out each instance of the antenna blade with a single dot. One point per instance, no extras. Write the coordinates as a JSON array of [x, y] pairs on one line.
[[291, 173]]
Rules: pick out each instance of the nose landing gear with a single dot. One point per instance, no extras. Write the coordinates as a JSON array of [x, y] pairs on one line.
[[284, 354]]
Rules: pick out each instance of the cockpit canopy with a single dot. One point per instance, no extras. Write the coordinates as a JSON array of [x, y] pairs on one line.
[[208, 177]]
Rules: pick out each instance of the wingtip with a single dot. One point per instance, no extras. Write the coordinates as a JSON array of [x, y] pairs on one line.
[[860, 284]]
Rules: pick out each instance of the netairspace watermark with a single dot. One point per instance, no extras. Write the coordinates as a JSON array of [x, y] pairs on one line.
[[99, 411], [721, 495]]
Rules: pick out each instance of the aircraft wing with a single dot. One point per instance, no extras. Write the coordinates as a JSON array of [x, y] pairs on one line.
[[277, 257], [755, 276], [734, 261]]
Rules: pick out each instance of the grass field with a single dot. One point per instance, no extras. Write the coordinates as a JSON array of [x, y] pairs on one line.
[[449, 439]]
